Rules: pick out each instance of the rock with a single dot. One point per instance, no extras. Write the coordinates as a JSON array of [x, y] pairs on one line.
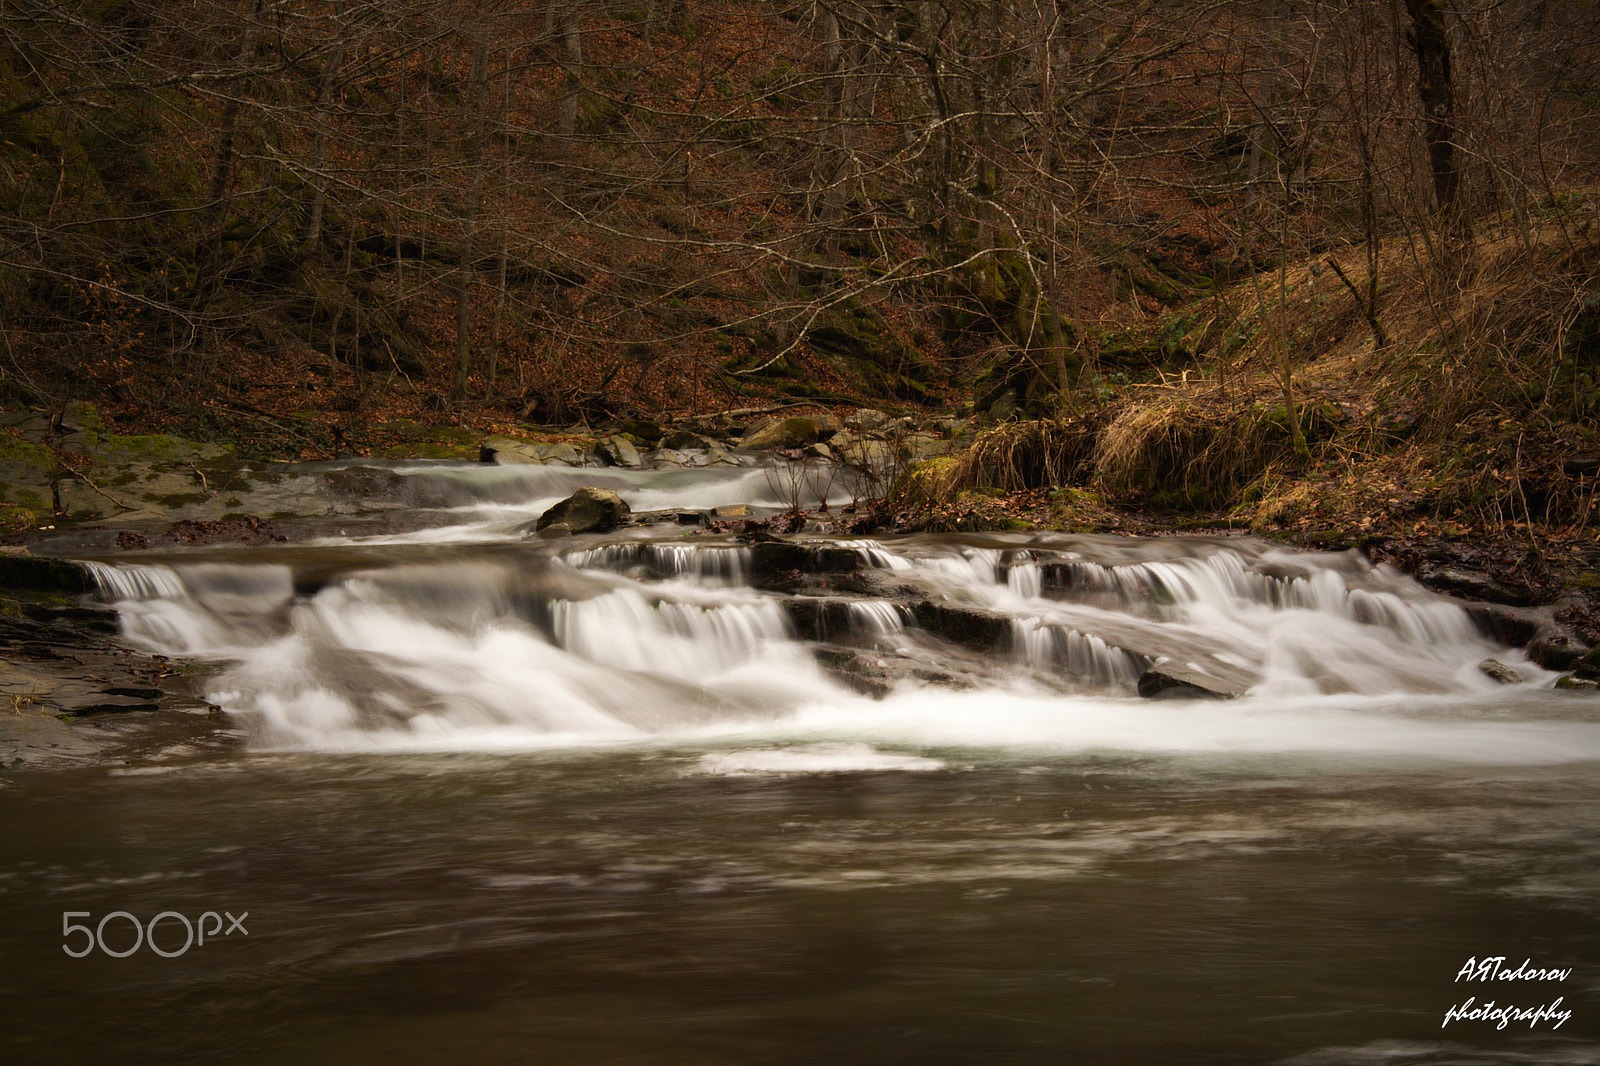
[[645, 429], [1499, 671], [867, 421], [683, 439], [790, 433], [508, 451], [674, 457], [618, 451], [773, 561], [1578, 684], [1471, 584], [731, 510], [589, 510], [559, 453], [1172, 680], [968, 626], [820, 451], [1588, 667], [43, 575], [874, 455], [1556, 648], [26, 473], [1581, 465], [555, 530], [1515, 626]]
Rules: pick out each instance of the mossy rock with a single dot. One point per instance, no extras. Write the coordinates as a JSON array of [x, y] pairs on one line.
[[789, 433], [433, 450], [156, 449], [26, 473], [43, 575]]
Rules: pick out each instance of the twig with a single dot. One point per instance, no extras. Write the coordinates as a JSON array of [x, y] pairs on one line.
[[746, 412], [88, 481], [237, 409]]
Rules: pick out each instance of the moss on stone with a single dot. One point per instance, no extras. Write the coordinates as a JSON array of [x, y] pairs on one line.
[[43, 575], [156, 449], [16, 449]]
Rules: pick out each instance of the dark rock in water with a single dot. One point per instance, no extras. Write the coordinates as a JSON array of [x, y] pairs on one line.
[[1515, 626], [968, 626], [1588, 667], [1556, 648], [1578, 684], [589, 510], [1470, 583], [1499, 671], [772, 558], [1172, 680], [43, 575]]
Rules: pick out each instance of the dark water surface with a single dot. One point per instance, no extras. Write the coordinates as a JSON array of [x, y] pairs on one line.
[[635, 906]]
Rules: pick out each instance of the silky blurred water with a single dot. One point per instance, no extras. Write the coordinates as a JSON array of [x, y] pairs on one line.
[[765, 903], [602, 801]]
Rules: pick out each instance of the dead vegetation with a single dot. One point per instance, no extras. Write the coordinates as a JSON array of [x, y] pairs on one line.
[[1480, 413]]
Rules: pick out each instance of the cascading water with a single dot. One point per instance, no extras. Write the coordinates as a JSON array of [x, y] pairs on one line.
[[638, 635], [673, 796]]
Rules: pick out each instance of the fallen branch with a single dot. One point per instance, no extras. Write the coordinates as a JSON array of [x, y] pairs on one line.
[[1380, 336]]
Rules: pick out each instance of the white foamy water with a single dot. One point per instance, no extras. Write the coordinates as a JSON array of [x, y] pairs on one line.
[[666, 641]]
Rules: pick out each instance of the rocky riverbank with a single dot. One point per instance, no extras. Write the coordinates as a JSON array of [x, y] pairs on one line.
[[74, 694]]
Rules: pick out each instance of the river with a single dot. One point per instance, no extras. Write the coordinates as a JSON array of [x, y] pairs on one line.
[[661, 797]]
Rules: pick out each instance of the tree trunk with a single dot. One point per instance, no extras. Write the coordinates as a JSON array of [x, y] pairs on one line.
[[222, 164], [320, 152], [1431, 44], [477, 92], [572, 63]]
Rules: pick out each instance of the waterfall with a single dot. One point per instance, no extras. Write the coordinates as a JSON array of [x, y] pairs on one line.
[[638, 635]]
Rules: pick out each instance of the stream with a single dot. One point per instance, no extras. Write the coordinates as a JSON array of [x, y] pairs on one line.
[[671, 796]]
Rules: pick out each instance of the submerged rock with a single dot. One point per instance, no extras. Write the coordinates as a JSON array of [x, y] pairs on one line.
[[589, 510], [1588, 667], [1172, 680], [1499, 671]]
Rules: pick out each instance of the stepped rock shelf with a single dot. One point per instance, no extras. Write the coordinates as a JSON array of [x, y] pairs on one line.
[[484, 559]]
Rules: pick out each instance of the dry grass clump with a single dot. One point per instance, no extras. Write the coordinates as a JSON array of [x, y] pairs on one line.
[[1200, 451], [1026, 455], [958, 492]]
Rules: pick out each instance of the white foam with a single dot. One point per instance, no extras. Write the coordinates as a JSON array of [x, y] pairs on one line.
[[820, 758]]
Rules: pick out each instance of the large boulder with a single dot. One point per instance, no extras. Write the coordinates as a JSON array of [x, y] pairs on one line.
[[589, 510], [618, 451], [789, 433], [868, 421], [508, 451]]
